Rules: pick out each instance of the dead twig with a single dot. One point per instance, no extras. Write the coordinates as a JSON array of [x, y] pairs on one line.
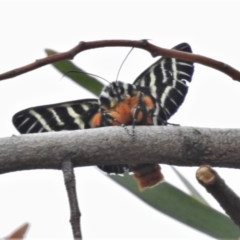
[[143, 44], [216, 186]]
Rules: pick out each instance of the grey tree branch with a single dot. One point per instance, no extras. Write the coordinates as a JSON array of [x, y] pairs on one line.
[[183, 146]]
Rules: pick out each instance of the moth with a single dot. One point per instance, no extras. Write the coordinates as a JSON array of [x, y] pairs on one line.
[[152, 99]]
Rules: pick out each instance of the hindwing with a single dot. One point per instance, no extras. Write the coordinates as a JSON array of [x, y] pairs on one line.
[[166, 81], [56, 117]]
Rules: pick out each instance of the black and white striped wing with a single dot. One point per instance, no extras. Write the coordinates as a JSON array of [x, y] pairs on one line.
[[166, 81], [56, 117]]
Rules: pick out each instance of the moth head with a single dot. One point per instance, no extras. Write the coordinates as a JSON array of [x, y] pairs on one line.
[[116, 92]]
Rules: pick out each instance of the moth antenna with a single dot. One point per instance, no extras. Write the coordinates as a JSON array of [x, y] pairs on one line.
[[124, 60], [86, 73]]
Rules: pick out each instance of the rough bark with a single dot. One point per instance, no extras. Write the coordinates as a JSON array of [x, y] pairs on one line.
[[182, 146]]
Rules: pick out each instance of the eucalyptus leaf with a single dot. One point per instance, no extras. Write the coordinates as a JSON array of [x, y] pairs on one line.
[[78, 75], [173, 202], [190, 187]]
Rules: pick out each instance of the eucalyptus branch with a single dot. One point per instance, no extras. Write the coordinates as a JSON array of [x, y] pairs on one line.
[[216, 186], [183, 146], [143, 44]]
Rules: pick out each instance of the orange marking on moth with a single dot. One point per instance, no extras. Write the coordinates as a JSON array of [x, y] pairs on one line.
[[150, 106], [96, 121], [121, 113], [149, 103]]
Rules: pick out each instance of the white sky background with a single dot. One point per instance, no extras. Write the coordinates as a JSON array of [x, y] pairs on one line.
[[108, 211]]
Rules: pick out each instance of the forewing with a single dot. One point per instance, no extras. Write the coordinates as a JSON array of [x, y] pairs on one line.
[[56, 117], [166, 81]]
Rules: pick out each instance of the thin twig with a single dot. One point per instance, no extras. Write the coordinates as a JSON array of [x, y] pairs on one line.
[[69, 179], [153, 49], [216, 186]]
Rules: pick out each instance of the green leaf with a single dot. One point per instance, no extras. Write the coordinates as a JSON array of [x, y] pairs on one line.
[[171, 201], [80, 76], [190, 187]]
